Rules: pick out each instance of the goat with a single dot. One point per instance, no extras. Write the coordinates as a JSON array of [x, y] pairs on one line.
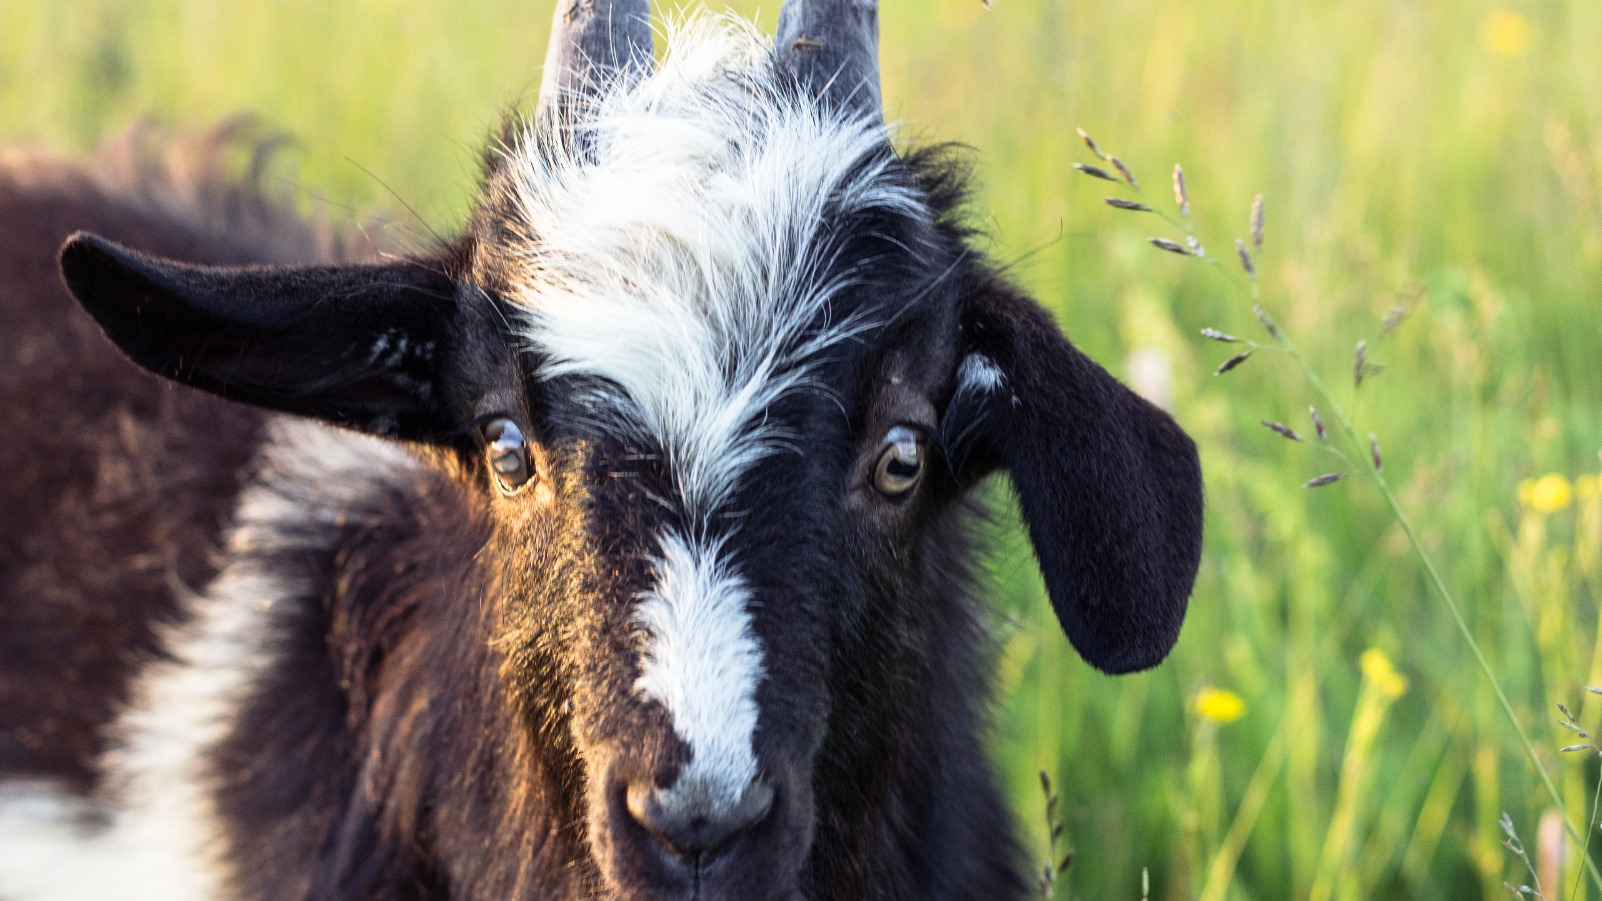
[[615, 548]]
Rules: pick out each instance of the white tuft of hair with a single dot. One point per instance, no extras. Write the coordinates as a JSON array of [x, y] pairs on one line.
[[153, 832], [680, 259], [978, 374]]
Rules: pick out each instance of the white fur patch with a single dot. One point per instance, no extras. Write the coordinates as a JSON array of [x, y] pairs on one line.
[[979, 374], [703, 664], [153, 833], [681, 264]]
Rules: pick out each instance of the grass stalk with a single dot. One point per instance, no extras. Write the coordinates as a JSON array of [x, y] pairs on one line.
[[1222, 870], [1373, 468], [1585, 853], [1377, 475], [1367, 718]]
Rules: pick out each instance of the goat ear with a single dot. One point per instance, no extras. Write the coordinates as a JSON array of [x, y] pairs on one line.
[[1109, 485], [359, 346]]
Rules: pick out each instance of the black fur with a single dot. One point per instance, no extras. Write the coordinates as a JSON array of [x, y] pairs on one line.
[[1108, 485], [449, 707], [359, 346]]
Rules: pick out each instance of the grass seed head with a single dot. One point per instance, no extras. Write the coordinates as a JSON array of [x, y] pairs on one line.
[[1124, 171], [1359, 359], [1091, 143], [1232, 362], [1245, 258], [1181, 196], [1217, 335], [1318, 424], [1170, 246], [1373, 448], [1095, 172], [1262, 316], [1326, 479], [1257, 223], [1393, 318], [1573, 748], [1195, 246], [1122, 204], [1279, 428]]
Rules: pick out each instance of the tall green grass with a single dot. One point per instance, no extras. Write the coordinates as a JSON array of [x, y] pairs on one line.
[[1401, 155]]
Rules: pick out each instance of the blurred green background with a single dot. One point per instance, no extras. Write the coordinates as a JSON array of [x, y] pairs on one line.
[[1446, 155]]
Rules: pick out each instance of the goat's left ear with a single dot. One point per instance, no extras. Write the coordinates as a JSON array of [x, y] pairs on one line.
[[1109, 485], [362, 346]]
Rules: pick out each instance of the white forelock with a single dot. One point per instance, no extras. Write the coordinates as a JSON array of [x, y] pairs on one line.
[[680, 258], [680, 262]]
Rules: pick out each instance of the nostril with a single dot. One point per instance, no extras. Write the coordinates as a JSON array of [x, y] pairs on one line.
[[695, 822]]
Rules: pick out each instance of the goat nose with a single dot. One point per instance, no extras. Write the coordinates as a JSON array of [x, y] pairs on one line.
[[694, 823]]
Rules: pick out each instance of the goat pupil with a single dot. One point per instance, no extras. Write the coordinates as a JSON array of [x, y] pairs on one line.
[[900, 463], [508, 454]]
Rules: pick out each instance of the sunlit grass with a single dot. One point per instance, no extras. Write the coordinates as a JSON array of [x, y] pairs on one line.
[[1445, 154]]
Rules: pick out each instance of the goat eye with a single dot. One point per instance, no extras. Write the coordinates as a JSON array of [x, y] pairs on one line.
[[900, 463], [507, 452]]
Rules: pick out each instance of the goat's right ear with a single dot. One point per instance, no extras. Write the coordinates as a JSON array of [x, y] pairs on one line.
[[362, 346], [1109, 485]]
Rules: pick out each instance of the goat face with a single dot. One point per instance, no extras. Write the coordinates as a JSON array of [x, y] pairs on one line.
[[714, 359], [738, 385]]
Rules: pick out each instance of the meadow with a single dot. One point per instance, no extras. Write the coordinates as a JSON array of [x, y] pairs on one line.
[[1322, 730]]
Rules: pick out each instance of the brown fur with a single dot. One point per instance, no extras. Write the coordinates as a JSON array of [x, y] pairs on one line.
[[117, 483], [446, 705]]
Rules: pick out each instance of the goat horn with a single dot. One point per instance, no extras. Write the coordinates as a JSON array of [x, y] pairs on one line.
[[593, 42], [831, 47]]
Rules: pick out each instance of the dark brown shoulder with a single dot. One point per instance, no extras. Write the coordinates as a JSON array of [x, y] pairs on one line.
[[117, 484]]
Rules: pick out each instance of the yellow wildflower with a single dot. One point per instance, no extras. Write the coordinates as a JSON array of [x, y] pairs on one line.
[[1219, 705], [1395, 686], [1376, 666], [1551, 493], [1377, 669], [1505, 33]]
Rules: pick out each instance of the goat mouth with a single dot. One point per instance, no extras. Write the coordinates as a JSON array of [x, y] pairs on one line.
[[753, 864]]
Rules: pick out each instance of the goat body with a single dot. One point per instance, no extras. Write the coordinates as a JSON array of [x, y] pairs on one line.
[[617, 548]]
